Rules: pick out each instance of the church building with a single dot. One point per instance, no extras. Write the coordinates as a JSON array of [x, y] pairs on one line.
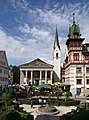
[[36, 72], [39, 72]]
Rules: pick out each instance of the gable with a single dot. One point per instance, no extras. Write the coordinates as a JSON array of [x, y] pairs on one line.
[[36, 63], [3, 59]]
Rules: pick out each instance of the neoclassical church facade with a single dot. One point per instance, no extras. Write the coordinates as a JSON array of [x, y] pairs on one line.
[[36, 72], [39, 72]]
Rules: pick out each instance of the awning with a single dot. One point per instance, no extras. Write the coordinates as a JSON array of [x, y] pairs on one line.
[[57, 83], [86, 92], [50, 83], [43, 86]]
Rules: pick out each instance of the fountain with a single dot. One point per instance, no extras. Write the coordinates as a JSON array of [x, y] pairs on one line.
[[47, 110]]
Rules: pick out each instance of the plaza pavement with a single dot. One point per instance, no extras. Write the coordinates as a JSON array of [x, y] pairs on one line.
[[33, 111]]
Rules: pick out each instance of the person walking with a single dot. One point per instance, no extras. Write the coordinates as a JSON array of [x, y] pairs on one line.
[[40, 101], [44, 101]]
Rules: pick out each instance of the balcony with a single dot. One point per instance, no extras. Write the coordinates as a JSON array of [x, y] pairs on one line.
[[74, 48]]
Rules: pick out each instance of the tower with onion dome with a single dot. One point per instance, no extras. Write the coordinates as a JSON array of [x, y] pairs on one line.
[[76, 64]]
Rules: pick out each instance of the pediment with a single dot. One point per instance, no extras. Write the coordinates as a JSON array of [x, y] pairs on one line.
[[36, 63]]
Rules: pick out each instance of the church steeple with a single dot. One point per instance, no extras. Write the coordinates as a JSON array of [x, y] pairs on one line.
[[57, 58], [56, 41]]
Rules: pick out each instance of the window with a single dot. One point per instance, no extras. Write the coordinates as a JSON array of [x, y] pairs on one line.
[[76, 56], [87, 81], [78, 91], [79, 44], [71, 44], [79, 81], [87, 69], [0, 70], [48, 74], [56, 55], [75, 44], [78, 70]]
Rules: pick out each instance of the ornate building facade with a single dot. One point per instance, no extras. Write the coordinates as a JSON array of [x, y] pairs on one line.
[[75, 70]]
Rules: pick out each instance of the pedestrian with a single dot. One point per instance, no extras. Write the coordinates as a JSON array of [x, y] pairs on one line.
[[31, 104], [40, 101], [44, 102]]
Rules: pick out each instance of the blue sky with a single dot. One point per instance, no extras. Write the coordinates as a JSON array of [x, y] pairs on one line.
[[27, 27]]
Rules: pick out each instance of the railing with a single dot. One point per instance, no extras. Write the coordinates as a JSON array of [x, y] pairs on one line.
[[75, 48], [78, 61]]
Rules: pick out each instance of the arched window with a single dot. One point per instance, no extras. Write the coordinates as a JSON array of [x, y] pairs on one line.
[[56, 55], [76, 56]]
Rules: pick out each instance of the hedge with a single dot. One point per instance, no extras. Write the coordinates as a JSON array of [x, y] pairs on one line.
[[53, 101], [25, 101], [69, 103]]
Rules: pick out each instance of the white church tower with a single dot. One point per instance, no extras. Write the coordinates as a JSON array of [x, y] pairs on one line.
[[57, 58]]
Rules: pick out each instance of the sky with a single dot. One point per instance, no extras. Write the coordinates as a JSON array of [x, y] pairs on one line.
[[27, 27]]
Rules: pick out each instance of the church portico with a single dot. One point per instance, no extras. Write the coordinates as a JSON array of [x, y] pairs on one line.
[[36, 75]]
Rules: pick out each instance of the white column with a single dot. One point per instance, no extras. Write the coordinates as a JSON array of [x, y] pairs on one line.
[[51, 76], [21, 77], [40, 82], [31, 76], [45, 76]]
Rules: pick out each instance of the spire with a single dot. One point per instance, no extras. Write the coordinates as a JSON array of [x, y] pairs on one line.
[[74, 30], [56, 42], [73, 18]]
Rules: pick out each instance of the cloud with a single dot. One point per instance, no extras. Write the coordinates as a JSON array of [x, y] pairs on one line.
[[22, 51], [36, 27], [15, 49], [40, 34]]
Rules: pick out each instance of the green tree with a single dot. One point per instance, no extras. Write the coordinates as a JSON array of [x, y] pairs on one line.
[[6, 97], [16, 75], [10, 115], [58, 94], [82, 115], [68, 94]]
